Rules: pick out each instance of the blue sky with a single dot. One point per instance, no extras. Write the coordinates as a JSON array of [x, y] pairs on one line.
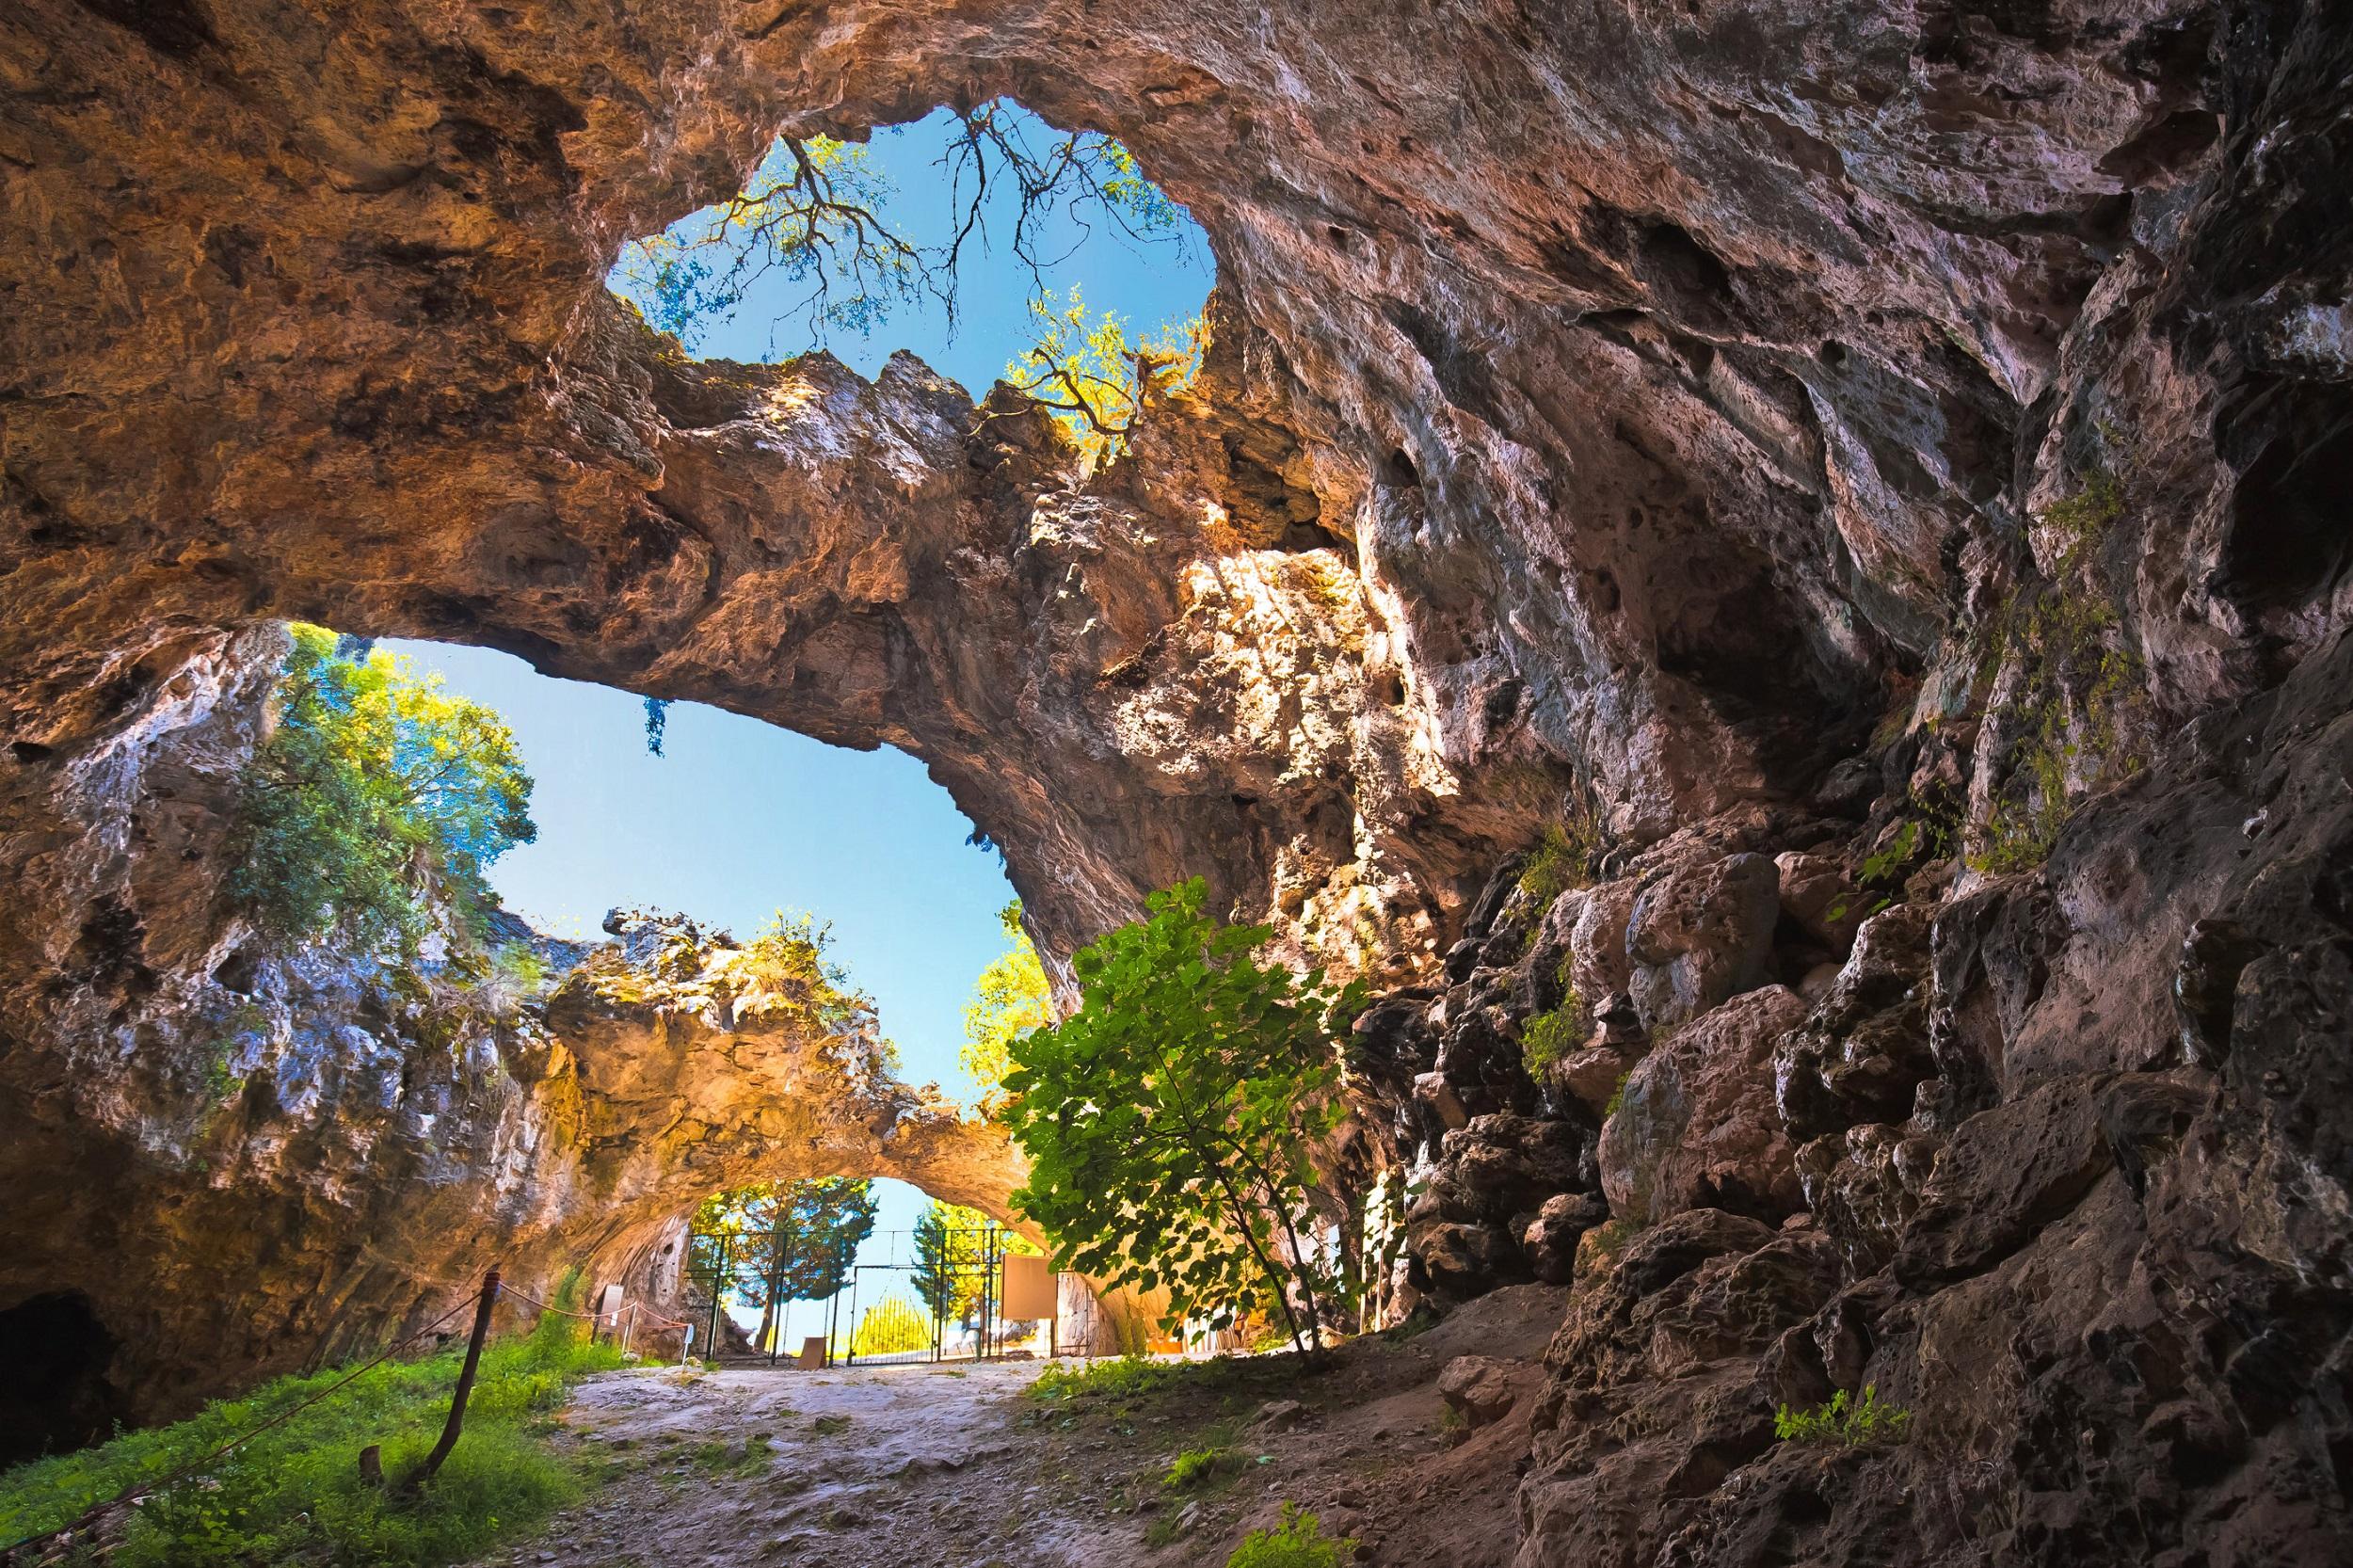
[[1149, 284], [741, 819]]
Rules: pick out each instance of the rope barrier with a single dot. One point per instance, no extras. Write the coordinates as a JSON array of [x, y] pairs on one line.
[[141, 1489]]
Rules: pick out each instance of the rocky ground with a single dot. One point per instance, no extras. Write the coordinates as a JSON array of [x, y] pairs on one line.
[[953, 1466]]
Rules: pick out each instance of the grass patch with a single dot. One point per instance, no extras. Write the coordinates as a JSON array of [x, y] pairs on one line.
[[1564, 857], [1196, 1467], [830, 1426], [1298, 1542], [293, 1494], [1844, 1422], [1124, 1378]]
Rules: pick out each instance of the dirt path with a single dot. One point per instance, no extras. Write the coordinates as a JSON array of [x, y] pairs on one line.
[[933, 1468], [842, 1469]]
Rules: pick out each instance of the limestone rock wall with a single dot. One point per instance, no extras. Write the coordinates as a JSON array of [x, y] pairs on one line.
[[1881, 465]]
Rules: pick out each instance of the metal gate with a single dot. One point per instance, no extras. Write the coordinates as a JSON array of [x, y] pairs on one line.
[[958, 1307], [962, 1303]]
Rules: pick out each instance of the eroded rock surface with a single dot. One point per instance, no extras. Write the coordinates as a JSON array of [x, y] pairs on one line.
[[1883, 467]]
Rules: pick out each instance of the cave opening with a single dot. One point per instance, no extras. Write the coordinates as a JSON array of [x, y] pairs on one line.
[[865, 1272], [59, 1396], [991, 244]]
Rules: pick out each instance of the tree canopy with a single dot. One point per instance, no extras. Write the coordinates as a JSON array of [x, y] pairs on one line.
[[1009, 999], [1169, 1121], [1093, 380], [377, 794], [777, 1241]]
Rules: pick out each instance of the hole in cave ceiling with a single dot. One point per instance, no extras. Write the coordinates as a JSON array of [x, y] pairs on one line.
[[965, 238]]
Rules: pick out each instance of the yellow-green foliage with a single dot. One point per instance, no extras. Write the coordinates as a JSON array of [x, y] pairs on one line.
[[1564, 857], [377, 796], [1617, 1095], [1548, 1036], [1844, 1422], [293, 1494], [2077, 694], [1298, 1542], [1009, 999], [1093, 378], [891, 1326]]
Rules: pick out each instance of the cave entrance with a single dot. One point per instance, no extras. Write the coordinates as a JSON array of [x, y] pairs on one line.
[[938, 1283], [58, 1396]]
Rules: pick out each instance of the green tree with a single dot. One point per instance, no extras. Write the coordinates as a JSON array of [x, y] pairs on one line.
[[1085, 371], [377, 796], [948, 1250], [891, 1326], [1169, 1121], [1009, 999], [774, 1242], [952, 1247]]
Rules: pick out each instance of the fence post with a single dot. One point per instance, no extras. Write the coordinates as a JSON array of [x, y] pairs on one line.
[[465, 1385]]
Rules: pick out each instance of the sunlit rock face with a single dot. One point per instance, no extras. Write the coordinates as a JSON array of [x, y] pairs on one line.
[[1814, 436], [236, 1158]]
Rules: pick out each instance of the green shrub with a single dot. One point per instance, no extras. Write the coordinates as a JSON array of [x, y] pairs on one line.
[[1171, 1123], [1564, 857], [1617, 1095], [1844, 1422], [294, 1493], [377, 794], [1299, 1541], [1195, 1467]]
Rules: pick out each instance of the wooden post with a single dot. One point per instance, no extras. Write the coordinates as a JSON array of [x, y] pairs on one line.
[[465, 1385]]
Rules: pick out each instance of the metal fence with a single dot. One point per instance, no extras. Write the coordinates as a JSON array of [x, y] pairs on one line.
[[954, 1296]]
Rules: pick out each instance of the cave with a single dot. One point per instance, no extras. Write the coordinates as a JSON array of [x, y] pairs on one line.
[[1770, 581], [59, 1398]]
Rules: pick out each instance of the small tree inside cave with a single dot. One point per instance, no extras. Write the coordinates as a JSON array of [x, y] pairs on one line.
[[1170, 1121]]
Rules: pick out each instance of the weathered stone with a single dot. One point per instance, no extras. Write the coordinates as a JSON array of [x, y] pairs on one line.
[[1550, 1239], [1696, 1127], [1700, 936], [1483, 1389]]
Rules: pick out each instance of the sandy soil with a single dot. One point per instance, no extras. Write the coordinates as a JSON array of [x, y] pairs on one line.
[[912, 1468]]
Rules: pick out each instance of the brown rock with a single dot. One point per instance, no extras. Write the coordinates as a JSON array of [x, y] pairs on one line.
[[1700, 936], [1697, 1126], [1483, 1389]]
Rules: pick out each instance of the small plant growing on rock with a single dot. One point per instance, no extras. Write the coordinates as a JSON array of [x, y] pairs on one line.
[[1844, 1422], [1617, 1095], [1548, 1036], [1299, 1541], [1198, 1467], [2077, 698], [1563, 858]]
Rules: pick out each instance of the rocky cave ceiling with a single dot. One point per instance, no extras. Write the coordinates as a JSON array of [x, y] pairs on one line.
[[1712, 417]]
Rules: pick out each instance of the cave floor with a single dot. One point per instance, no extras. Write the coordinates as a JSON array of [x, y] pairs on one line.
[[924, 1466]]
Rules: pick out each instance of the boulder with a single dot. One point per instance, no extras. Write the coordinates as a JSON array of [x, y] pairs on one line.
[[1484, 1388], [1697, 1126], [1700, 936]]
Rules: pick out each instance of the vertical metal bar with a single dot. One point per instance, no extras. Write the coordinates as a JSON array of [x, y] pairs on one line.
[[775, 1293], [854, 1273]]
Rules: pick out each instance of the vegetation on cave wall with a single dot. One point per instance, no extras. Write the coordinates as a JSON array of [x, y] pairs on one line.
[[377, 796]]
